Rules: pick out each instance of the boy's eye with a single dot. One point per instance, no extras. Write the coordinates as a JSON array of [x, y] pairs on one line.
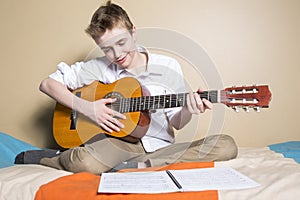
[[105, 50], [121, 42]]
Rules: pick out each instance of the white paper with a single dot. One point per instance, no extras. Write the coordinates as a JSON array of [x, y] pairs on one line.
[[212, 179], [136, 182], [160, 182]]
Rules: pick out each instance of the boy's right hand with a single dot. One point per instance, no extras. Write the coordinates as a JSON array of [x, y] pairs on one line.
[[104, 116]]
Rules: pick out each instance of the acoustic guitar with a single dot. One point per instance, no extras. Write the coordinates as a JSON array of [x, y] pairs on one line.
[[72, 129]]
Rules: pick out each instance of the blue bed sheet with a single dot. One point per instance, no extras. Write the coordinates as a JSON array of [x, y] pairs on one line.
[[10, 147], [288, 149]]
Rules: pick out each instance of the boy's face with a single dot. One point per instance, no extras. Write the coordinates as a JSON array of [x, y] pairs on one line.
[[118, 45]]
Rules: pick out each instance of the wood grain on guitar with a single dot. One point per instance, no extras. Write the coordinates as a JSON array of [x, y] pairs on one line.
[[72, 129]]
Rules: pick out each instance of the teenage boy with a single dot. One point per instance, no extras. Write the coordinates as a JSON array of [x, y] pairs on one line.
[[114, 33]]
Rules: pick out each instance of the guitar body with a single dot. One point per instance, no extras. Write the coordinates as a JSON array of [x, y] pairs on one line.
[[71, 129]]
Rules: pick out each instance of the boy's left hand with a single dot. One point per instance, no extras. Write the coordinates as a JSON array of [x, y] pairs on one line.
[[197, 105]]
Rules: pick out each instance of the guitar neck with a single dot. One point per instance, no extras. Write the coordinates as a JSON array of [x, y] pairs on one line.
[[124, 105]]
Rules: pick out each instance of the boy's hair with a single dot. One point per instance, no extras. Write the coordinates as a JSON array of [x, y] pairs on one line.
[[106, 18]]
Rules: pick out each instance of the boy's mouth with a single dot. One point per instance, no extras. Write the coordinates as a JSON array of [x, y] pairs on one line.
[[121, 60]]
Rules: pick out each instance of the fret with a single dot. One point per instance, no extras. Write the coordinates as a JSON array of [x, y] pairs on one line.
[[144, 103], [129, 104], [215, 99], [158, 103], [153, 102], [173, 104], [203, 95], [176, 103], [208, 96], [135, 104], [167, 101], [140, 103], [213, 96], [148, 103], [180, 100]]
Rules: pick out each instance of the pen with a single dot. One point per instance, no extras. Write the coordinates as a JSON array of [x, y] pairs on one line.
[[174, 179]]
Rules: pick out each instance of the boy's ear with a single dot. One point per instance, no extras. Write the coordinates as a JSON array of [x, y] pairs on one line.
[[133, 33]]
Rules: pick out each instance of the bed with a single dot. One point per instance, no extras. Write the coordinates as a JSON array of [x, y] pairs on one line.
[[276, 168]]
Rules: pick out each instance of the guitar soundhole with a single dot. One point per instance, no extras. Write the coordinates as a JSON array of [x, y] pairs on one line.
[[116, 104]]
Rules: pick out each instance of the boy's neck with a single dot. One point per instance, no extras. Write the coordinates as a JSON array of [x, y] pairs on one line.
[[139, 64]]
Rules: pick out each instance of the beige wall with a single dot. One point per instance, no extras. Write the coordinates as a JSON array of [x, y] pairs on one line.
[[249, 42]]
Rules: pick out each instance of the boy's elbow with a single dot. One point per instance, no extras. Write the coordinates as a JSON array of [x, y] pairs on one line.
[[45, 85], [178, 126]]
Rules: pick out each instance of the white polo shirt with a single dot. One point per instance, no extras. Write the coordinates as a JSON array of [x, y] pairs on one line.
[[163, 75]]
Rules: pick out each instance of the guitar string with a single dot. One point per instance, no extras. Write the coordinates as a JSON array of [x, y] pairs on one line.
[[153, 99], [158, 97]]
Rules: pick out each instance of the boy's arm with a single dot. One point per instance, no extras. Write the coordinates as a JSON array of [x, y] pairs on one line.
[[97, 111]]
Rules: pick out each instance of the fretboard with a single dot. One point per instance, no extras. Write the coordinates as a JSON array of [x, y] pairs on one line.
[[124, 105]]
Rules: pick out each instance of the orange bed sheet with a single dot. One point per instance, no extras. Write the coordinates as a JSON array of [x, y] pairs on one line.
[[85, 185]]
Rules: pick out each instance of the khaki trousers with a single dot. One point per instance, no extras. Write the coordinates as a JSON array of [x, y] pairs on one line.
[[108, 152]]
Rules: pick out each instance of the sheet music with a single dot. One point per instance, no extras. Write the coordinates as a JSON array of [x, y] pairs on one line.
[[136, 182], [160, 182], [224, 178]]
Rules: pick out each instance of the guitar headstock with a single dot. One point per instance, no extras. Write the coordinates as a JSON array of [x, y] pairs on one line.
[[246, 97]]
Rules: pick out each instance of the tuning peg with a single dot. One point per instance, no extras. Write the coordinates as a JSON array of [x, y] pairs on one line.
[[257, 109], [246, 108], [236, 109]]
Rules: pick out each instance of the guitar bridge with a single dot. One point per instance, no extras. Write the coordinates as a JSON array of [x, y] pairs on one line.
[[74, 115]]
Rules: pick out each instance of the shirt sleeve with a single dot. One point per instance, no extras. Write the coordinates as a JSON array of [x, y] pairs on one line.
[[81, 73], [68, 75]]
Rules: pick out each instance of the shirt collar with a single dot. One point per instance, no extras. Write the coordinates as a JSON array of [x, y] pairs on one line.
[[149, 68]]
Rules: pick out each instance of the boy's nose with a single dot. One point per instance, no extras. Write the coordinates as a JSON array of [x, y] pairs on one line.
[[117, 52]]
